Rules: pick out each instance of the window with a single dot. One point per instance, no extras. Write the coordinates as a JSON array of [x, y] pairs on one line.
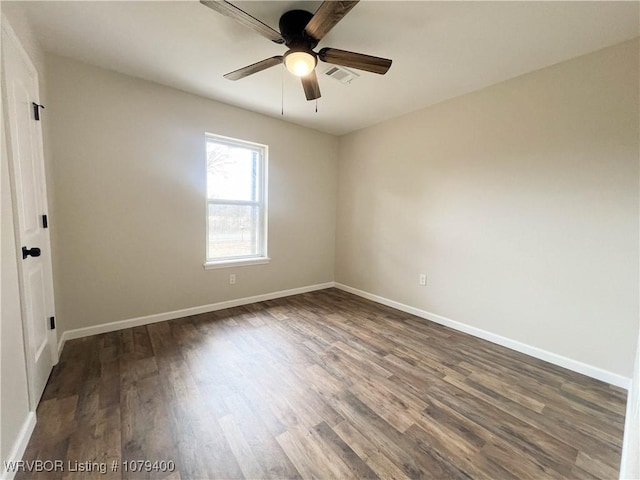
[[236, 202]]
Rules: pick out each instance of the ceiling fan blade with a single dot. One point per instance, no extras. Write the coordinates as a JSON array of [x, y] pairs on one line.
[[310, 85], [255, 68], [355, 60], [326, 17], [229, 10]]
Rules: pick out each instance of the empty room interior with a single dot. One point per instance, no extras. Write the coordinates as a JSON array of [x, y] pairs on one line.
[[306, 239]]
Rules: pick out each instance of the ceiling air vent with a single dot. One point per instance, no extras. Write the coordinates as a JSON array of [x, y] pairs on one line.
[[341, 74]]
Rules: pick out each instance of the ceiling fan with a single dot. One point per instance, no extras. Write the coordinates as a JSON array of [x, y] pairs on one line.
[[301, 31]]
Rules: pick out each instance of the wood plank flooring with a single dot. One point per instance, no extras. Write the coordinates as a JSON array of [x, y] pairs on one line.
[[321, 385]]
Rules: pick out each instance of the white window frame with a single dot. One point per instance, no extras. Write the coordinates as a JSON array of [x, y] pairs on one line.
[[261, 203]]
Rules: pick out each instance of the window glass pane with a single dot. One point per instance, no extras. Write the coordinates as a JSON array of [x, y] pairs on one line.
[[233, 231], [232, 172]]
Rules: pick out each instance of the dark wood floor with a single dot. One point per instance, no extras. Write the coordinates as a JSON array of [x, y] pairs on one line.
[[323, 385]]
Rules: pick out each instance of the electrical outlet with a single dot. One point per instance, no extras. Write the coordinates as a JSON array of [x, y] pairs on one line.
[[423, 279], [232, 279]]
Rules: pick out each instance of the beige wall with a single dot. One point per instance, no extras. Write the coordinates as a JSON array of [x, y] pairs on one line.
[[127, 168], [519, 202]]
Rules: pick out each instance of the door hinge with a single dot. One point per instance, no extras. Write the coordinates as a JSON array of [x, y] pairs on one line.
[[36, 110], [45, 221], [52, 323]]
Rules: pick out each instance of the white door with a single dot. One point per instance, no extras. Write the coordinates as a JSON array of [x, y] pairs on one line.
[[26, 164]]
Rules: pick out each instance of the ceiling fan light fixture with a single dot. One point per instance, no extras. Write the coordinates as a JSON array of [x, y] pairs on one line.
[[300, 62]]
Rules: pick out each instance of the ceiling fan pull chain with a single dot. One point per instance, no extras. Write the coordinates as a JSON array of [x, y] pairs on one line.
[[316, 105], [282, 92]]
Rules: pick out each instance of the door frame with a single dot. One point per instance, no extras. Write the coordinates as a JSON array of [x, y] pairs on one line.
[[10, 35]]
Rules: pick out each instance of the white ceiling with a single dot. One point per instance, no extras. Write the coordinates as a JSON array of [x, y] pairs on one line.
[[439, 49]]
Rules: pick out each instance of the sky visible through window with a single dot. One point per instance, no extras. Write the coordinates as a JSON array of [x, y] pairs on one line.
[[231, 172]]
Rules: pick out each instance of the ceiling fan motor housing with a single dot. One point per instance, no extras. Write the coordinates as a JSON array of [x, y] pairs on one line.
[[292, 25]]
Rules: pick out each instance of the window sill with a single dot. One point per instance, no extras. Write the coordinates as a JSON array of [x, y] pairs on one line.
[[236, 263]]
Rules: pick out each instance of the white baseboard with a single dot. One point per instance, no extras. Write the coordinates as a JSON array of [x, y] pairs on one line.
[[19, 446], [630, 458], [554, 358], [161, 317], [629, 461]]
